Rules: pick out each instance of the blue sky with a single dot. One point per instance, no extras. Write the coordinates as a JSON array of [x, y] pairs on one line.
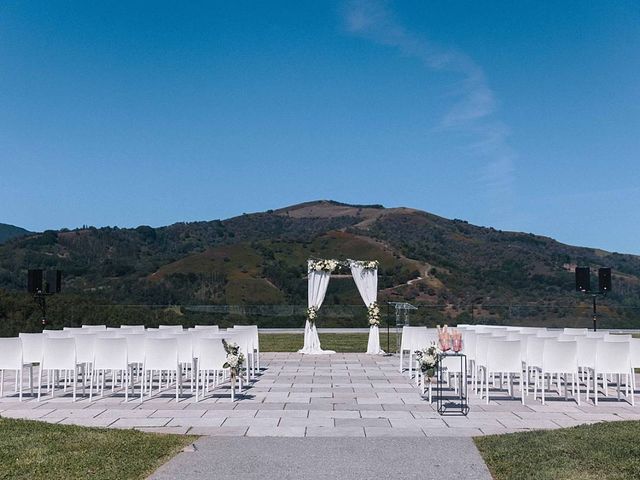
[[521, 116]]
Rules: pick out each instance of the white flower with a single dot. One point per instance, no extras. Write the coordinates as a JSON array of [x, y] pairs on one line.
[[232, 360]]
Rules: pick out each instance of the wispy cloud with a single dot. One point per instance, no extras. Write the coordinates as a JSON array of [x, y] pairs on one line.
[[474, 104]]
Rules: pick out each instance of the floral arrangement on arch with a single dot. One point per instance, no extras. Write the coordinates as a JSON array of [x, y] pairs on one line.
[[428, 359], [374, 314], [312, 313], [323, 265], [235, 359], [367, 264]]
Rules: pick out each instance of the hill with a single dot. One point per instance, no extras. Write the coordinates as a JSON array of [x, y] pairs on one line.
[[10, 231], [444, 265]]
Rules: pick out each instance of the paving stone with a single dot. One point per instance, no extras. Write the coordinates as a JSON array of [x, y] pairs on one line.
[[335, 432], [89, 421], [306, 422], [192, 413], [292, 431], [334, 414], [452, 432], [362, 422], [125, 413], [387, 414], [230, 413], [140, 422], [219, 431], [393, 432], [76, 413], [31, 414], [334, 395], [196, 422], [250, 422], [418, 422]]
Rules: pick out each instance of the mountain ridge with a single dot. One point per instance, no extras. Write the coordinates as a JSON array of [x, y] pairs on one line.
[[7, 232], [260, 258]]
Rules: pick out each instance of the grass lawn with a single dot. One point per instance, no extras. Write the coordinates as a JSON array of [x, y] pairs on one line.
[[603, 451], [37, 450], [340, 342]]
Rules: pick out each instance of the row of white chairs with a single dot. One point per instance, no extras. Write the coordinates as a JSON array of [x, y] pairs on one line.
[[574, 356], [91, 351], [498, 352]]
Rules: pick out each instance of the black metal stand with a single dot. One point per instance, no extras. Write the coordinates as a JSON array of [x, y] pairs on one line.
[[41, 299], [594, 296], [453, 403]]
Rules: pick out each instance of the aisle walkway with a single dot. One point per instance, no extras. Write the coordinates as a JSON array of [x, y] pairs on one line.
[[327, 458], [341, 395]]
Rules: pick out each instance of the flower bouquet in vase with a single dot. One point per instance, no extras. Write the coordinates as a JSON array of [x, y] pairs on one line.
[[444, 338], [234, 362], [428, 361], [456, 341]]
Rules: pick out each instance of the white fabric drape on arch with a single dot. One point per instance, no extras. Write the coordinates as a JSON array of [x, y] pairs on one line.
[[318, 283], [366, 280]]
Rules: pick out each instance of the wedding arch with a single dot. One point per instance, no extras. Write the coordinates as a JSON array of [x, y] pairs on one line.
[[365, 276]]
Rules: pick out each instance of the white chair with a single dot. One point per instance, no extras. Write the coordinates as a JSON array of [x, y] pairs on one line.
[[214, 328], [634, 354], [212, 357], [95, 327], [613, 358], [56, 333], [547, 334], [59, 356], [171, 328], [11, 359], [575, 331], [504, 357], [246, 339], [413, 338], [158, 333], [84, 353], [480, 355], [185, 353], [597, 334], [135, 351], [132, 327], [586, 358], [161, 355], [564, 337], [533, 359], [469, 349], [256, 342], [618, 338], [560, 358], [115, 333], [230, 336], [110, 354], [31, 352]]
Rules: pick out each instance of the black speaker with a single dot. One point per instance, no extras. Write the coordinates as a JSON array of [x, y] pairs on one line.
[[52, 281], [583, 279], [34, 281], [604, 279]]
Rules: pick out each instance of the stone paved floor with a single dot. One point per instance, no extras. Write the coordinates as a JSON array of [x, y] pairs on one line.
[[345, 395]]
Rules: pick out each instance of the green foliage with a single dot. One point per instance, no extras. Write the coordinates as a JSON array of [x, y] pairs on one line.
[[8, 232], [604, 451], [31, 450], [260, 259]]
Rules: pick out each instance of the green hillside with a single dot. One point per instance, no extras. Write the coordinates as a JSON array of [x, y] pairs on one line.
[[8, 232], [260, 259]]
